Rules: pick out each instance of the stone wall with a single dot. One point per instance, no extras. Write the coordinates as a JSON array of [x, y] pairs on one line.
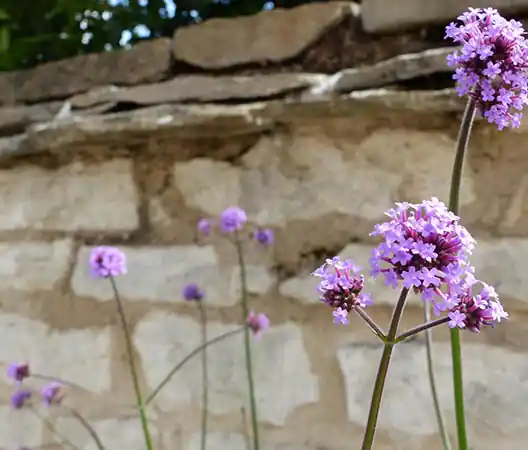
[[120, 149]]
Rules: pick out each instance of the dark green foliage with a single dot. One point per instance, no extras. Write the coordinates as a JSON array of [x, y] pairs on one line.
[[35, 31]]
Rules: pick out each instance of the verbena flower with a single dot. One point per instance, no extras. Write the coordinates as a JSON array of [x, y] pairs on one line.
[[53, 393], [204, 226], [491, 64], [20, 397], [424, 249], [264, 236], [341, 288], [18, 372], [107, 262], [191, 292], [474, 311], [257, 323], [232, 219]]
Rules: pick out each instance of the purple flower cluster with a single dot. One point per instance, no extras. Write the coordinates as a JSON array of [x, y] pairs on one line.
[[257, 323], [341, 288], [233, 219], [106, 262], [192, 292], [491, 64], [52, 394], [426, 250]]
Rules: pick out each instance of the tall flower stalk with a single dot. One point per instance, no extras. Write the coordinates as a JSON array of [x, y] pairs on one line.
[[192, 292], [491, 71], [423, 249], [109, 262]]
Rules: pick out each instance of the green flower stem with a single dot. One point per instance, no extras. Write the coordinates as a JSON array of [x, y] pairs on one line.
[[247, 341], [205, 376], [371, 323], [423, 327], [379, 384], [431, 375], [454, 196], [185, 360], [88, 428], [132, 366]]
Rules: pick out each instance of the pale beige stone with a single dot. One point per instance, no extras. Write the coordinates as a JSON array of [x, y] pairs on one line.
[[379, 16], [502, 263], [27, 266], [217, 441], [268, 36], [304, 287], [19, 428], [493, 377], [81, 356], [77, 196], [114, 433], [312, 174], [160, 274], [283, 377]]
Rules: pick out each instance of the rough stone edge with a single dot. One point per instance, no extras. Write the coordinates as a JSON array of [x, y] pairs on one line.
[[201, 121]]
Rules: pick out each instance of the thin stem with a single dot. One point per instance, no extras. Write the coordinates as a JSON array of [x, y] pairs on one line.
[[132, 366], [383, 368], [49, 425], [371, 323], [423, 327], [247, 340], [205, 381], [244, 428], [454, 196], [88, 428], [185, 360], [430, 372]]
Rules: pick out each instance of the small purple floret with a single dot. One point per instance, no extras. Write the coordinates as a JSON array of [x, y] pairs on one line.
[[257, 323], [232, 219], [264, 236], [204, 227], [491, 65], [107, 262], [53, 393], [191, 292], [341, 288], [18, 372], [20, 397]]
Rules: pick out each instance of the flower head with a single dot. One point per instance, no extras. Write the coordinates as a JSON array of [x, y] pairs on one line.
[[53, 393], [192, 292], [491, 64], [257, 323], [232, 219], [474, 311], [341, 288], [204, 227], [20, 397], [264, 236], [18, 372], [424, 248], [107, 262]]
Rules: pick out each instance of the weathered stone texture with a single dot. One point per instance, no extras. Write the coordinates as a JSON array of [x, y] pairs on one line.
[[19, 428], [286, 178], [164, 339], [493, 379], [74, 197], [266, 37], [217, 441], [28, 266], [502, 263], [143, 63], [160, 273], [81, 356], [380, 16]]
